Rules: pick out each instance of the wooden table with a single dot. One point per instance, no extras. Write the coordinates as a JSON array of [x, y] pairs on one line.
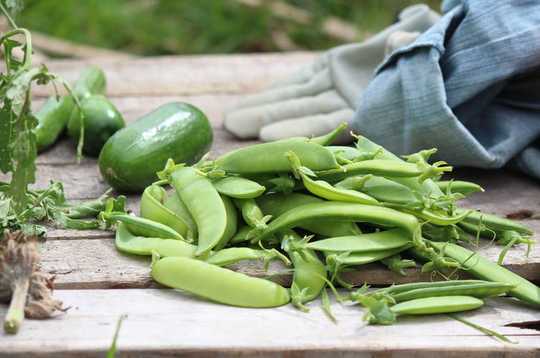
[[101, 284]]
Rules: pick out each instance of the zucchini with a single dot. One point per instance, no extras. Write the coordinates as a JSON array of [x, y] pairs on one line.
[[101, 121], [132, 156]]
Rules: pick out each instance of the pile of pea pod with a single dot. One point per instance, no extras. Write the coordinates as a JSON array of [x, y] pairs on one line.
[[323, 210]]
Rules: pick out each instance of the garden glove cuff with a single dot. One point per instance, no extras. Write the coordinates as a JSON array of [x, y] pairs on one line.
[[317, 98]]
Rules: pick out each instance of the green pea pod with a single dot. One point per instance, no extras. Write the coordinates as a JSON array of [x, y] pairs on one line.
[[177, 206], [347, 153], [378, 241], [437, 305], [487, 270], [362, 258], [309, 274], [278, 204], [143, 227], [232, 223], [382, 189], [494, 222], [323, 189], [218, 284], [252, 214], [242, 235], [270, 157], [234, 255], [406, 287], [380, 167], [52, 119], [239, 188], [152, 208], [441, 233], [439, 219], [343, 212], [330, 137], [204, 204], [459, 186], [427, 187], [478, 290], [126, 242]]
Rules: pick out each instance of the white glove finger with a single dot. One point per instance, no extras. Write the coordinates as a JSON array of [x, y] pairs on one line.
[[310, 126], [247, 122], [305, 74], [320, 82]]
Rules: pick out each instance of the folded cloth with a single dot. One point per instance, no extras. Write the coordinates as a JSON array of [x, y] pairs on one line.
[[469, 85]]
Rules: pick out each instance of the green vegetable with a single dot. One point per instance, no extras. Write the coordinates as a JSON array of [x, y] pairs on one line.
[[101, 121], [52, 119], [132, 156], [239, 188], [437, 305]]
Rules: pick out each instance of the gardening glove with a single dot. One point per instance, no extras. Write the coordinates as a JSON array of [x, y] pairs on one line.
[[470, 86], [320, 96]]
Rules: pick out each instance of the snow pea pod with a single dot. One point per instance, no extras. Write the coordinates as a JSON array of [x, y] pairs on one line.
[[382, 189], [270, 157], [387, 168], [329, 137], [152, 208], [438, 219], [361, 258], [406, 287], [309, 274], [487, 270], [204, 204], [343, 212], [437, 305], [478, 290], [459, 186], [143, 227], [494, 222], [176, 205], [233, 255], [218, 284], [382, 240], [239, 188], [323, 189], [278, 204], [126, 242], [241, 235], [347, 153], [232, 223]]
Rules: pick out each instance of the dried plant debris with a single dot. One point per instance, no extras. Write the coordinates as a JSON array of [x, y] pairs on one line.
[[27, 290]]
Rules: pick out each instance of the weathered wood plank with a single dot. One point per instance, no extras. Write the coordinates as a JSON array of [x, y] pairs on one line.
[[165, 322], [95, 263], [185, 75]]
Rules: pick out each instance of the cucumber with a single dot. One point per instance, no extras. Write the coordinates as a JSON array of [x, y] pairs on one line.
[[52, 119], [56, 113], [101, 121], [132, 156]]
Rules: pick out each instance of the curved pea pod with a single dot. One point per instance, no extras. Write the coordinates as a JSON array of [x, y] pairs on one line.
[[387, 168], [378, 241], [405, 287], [427, 187], [477, 289], [239, 188], [242, 235], [323, 189], [343, 212], [234, 255], [143, 227], [437, 305], [361, 258], [218, 284], [382, 189], [270, 157], [309, 275], [344, 152], [494, 222], [176, 205], [126, 242], [438, 219], [252, 214], [152, 208], [204, 204], [232, 223], [278, 204], [487, 270], [329, 137], [459, 186]]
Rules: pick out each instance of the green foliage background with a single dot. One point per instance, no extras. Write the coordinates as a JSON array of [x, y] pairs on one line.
[[158, 27]]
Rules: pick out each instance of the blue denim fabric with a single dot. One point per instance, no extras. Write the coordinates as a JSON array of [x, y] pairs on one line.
[[469, 85]]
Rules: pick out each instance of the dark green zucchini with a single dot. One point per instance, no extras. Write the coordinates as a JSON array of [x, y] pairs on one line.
[[101, 121], [132, 156]]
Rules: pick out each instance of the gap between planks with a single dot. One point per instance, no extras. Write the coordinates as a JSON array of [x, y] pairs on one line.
[[168, 322]]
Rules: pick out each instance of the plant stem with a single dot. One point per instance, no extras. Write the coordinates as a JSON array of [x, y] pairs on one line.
[[15, 314]]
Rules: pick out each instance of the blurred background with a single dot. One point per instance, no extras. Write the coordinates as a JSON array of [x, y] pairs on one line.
[[86, 28]]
